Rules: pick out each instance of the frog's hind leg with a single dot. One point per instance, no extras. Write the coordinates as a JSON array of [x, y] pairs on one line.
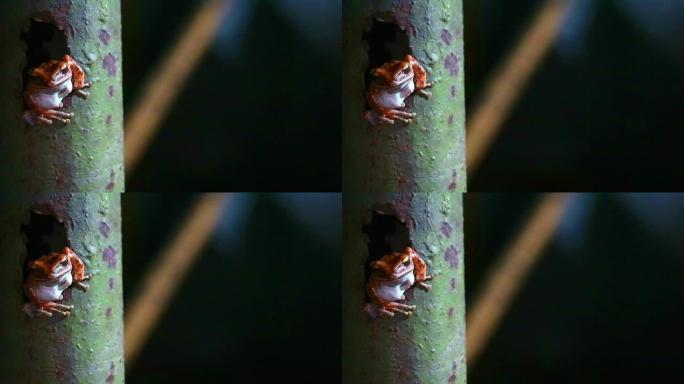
[[405, 117], [62, 309], [64, 117], [404, 309], [36, 118]]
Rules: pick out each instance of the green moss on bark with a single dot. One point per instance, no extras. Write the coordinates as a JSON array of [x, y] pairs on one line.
[[86, 347], [416, 172], [86, 154]]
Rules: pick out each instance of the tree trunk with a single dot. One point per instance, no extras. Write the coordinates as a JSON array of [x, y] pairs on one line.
[[87, 153], [60, 186], [87, 346], [403, 186]]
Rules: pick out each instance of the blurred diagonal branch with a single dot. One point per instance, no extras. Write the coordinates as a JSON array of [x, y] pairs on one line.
[[168, 80], [509, 80], [168, 271], [511, 269]]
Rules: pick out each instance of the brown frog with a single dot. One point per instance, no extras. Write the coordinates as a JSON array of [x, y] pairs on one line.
[[392, 84], [391, 277], [49, 84], [48, 277]]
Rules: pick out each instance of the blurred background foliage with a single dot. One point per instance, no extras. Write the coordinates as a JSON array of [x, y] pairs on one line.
[[604, 302], [603, 111], [262, 302]]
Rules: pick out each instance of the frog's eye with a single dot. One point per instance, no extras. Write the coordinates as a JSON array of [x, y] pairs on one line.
[[64, 263], [407, 70], [407, 262], [64, 70]]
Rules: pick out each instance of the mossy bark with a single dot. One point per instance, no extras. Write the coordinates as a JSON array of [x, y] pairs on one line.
[[72, 172], [86, 347], [86, 154], [415, 173]]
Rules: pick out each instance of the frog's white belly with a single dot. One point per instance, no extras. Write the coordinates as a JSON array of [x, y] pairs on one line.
[[394, 98], [52, 290], [51, 98], [394, 290]]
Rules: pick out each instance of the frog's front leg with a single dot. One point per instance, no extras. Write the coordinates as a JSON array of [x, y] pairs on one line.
[[81, 285], [81, 92]]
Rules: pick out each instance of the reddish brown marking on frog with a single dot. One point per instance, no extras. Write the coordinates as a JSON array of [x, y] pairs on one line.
[[446, 229], [452, 378], [109, 256], [108, 313], [110, 283], [450, 313], [110, 90], [49, 280], [446, 37], [109, 63], [392, 278], [452, 283], [389, 92], [451, 256], [104, 36], [451, 120], [453, 91], [109, 120], [48, 89], [104, 229], [451, 64]]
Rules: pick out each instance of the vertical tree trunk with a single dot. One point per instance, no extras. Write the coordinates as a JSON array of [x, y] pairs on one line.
[[86, 154], [86, 347], [403, 185], [60, 186]]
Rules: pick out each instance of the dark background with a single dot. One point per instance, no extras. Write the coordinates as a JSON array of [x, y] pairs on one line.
[[604, 111], [604, 303], [262, 302], [262, 112]]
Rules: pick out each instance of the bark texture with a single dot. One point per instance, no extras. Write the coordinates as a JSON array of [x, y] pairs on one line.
[[72, 173], [428, 154], [86, 347], [86, 154], [416, 174]]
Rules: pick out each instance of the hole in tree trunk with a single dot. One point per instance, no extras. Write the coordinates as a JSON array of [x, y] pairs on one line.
[[44, 234], [386, 42], [386, 234], [44, 42]]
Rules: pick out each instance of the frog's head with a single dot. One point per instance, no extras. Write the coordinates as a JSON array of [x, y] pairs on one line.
[[53, 264], [395, 265], [395, 72], [53, 72]]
